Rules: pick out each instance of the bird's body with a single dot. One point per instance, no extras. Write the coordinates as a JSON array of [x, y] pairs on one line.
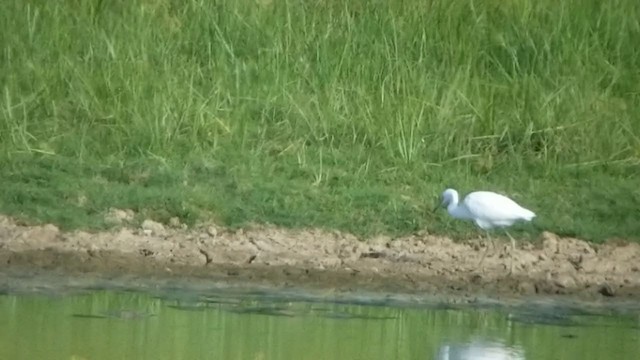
[[487, 210]]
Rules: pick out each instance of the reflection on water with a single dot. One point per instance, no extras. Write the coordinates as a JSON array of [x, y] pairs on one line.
[[478, 350], [128, 325]]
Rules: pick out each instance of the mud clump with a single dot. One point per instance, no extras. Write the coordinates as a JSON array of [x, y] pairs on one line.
[[118, 216], [329, 259]]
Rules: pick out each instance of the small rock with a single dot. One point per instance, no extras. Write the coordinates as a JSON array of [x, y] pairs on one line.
[[212, 231], [152, 226], [332, 262], [550, 243], [51, 230], [377, 248], [379, 243], [527, 246], [174, 222], [118, 216], [606, 290], [565, 281], [42, 234], [576, 261], [526, 288]]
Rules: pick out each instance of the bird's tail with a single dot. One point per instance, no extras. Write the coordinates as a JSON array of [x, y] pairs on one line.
[[528, 214]]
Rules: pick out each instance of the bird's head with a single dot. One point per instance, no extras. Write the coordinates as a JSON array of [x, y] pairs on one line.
[[448, 196]]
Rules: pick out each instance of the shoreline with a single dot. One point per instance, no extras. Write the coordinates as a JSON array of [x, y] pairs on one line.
[[420, 264]]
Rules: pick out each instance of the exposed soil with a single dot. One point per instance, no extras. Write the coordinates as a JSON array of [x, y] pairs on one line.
[[317, 259]]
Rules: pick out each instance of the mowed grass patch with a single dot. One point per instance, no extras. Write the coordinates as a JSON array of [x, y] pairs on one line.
[[352, 116]]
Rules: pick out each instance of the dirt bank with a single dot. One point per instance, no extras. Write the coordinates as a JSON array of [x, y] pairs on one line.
[[320, 259]]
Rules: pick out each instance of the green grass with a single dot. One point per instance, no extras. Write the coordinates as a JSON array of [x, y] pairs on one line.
[[348, 115]]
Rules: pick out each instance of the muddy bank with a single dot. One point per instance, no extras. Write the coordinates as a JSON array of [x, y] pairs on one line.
[[331, 260]]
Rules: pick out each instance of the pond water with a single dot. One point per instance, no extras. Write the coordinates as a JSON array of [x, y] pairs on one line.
[[115, 324]]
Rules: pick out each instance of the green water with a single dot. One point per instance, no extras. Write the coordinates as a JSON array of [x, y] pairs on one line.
[[128, 325]]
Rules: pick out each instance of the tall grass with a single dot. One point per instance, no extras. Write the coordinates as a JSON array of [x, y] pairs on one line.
[[323, 113]]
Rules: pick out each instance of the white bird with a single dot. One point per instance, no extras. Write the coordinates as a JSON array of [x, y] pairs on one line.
[[488, 210]]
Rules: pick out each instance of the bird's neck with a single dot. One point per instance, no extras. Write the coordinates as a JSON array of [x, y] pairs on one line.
[[458, 212]]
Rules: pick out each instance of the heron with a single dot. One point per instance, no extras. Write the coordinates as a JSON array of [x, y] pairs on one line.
[[487, 210]]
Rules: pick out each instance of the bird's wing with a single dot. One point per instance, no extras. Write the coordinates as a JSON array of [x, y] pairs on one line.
[[492, 206]]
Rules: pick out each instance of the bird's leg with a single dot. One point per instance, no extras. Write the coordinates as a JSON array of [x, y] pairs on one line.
[[513, 249], [487, 249]]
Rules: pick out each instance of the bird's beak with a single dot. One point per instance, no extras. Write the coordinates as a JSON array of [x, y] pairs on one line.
[[437, 206]]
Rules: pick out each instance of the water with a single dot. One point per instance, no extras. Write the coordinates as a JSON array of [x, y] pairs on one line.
[[110, 324]]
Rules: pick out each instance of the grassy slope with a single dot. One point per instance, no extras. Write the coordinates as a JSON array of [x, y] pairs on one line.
[[350, 115]]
